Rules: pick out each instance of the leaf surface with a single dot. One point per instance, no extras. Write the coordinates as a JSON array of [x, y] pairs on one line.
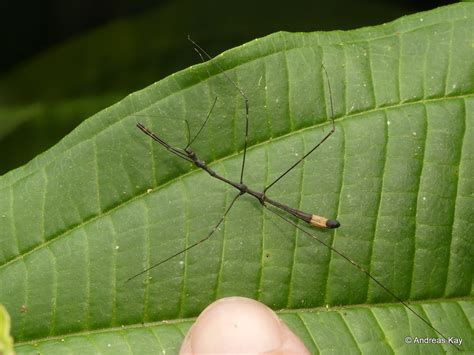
[[106, 202]]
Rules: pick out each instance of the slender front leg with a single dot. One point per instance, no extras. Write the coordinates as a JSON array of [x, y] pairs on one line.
[[192, 245]]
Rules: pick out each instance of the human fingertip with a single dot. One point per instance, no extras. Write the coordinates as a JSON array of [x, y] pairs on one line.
[[240, 325]]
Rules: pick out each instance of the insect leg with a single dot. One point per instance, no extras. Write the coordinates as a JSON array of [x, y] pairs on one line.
[[192, 245], [202, 52], [333, 129], [361, 269]]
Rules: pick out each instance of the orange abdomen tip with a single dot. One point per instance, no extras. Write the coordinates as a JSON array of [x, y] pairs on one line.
[[322, 222]]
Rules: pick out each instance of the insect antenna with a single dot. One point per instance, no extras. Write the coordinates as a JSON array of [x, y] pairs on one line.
[[202, 126], [202, 52], [188, 133]]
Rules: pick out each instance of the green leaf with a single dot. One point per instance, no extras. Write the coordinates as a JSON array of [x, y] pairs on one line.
[[106, 202]]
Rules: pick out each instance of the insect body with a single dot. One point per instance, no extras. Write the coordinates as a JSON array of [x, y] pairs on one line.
[[280, 210], [188, 154]]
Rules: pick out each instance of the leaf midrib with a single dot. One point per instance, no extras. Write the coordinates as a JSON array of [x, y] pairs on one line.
[[214, 162]]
